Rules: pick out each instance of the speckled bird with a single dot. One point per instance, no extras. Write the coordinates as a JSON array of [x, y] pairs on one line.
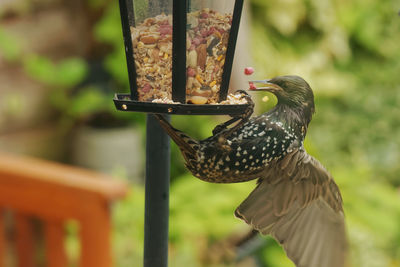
[[296, 200]]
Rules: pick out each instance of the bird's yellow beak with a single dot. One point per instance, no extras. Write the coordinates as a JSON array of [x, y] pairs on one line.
[[266, 86]]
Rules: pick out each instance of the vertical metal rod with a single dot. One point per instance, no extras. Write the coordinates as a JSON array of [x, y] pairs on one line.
[[179, 51], [157, 195], [230, 51], [128, 20]]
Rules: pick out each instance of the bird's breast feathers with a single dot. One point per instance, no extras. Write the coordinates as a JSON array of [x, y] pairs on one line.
[[245, 153]]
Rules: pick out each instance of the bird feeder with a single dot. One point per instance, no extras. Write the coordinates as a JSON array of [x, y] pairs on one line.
[[179, 55]]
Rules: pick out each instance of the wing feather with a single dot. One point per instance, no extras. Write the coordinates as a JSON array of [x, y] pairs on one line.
[[299, 204]]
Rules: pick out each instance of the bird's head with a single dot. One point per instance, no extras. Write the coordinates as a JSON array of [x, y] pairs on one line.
[[291, 90]]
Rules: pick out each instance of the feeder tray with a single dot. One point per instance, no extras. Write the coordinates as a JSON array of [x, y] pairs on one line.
[[179, 50], [124, 103]]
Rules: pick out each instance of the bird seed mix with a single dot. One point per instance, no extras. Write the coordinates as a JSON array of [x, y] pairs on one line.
[[206, 43]]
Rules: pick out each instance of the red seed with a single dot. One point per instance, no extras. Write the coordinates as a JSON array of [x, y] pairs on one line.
[[212, 30], [204, 15], [249, 70], [191, 72], [146, 88], [163, 22], [252, 86], [196, 41], [202, 21], [165, 29]]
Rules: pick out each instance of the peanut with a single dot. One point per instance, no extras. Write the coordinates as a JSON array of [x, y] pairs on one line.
[[198, 100], [149, 39], [192, 59]]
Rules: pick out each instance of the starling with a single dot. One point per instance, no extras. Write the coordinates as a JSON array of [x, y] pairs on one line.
[[296, 200]]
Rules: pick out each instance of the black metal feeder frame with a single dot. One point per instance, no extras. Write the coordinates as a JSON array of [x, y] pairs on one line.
[[188, 20]]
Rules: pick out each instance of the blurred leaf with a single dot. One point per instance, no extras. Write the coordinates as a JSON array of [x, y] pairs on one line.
[[96, 3], [88, 101], [71, 71], [116, 65], [128, 222], [274, 255], [9, 47], [67, 73], [109, 28], [192, 201]]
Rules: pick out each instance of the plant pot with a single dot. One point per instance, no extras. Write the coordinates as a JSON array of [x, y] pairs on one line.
[[116, 151]]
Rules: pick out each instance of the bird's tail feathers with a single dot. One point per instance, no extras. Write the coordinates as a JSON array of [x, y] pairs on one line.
[[186, 144]]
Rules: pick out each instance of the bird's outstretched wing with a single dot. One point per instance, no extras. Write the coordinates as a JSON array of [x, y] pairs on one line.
[[299, 204]]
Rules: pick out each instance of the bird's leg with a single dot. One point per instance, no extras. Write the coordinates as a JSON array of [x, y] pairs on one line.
[[243, 118]]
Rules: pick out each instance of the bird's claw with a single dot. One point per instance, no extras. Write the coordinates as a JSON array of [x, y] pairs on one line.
[[250, 109], [242, 117]]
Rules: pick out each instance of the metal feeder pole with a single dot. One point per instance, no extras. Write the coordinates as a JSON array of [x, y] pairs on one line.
[[156, 194]]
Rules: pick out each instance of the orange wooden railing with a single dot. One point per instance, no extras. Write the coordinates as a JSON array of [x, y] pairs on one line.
[[55, 194]]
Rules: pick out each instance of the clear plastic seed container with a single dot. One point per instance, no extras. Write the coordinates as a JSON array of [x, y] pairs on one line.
[[180, 52]]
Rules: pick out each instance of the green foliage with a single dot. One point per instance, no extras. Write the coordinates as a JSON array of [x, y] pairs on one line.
[[74, 100], [372, 212], [108, 30], [88, 101], [128, 222], [9, 47], [272, 255], [66, 73], [72, 243], [200, 214], [201, 209]]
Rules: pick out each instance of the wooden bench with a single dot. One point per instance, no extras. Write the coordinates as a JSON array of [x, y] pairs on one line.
[[56, 193]]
